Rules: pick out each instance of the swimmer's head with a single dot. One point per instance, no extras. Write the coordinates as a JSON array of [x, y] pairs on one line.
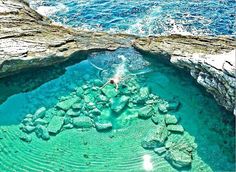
[[112, 81]]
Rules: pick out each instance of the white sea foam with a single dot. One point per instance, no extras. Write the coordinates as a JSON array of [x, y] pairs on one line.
[[50, 10]]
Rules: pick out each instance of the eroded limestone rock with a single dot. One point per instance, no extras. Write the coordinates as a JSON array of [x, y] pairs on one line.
[[109, 91], [155, 137], [83, 122], [55, 124], [118, 103], [170, 119], [103, 125], [66, 104]]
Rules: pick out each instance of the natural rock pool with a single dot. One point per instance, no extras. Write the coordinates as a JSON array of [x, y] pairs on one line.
[[66, 118]]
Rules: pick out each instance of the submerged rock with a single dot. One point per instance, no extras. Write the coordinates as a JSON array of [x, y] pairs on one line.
[[170, 119], [26, 138], [42, 132], [109, 91], [179, 159], [160, 150], [27, 121], [77, 106], [103, 126], [66, 104], [28, 129], [83, 122], [98, 83], [55, 124], [79, 91], [118, 103], [40, 113], [163, 107], [68, 126], [158, 118], [144, 92], [145, 112], [156, 137], [175, 128], [40, 121], [72, 113], [180, 150], [95, 112]]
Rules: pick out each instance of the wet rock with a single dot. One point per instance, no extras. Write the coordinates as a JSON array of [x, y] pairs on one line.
[[40, 121], [72, 113], [28, 129], [91, 105], [85, 87], [79, 91], [144, 93], [170, 119], [173, 105], [66, 104], [25, 137], [60, 113], [180, 150], [88, 98], [77, 106], [27, 121], [68, 126], [175, 128], [118, 103], [109, 91], [95, 112], [179, 159], [42, 132], [55, 124], [160, 150], [103, 125], [40, 113], [155, 137], [163, 107], [145, 112], [68, 120], [83, 122], [106, 114], [29, 116], [98, 83], [158, 118], [102, 98]]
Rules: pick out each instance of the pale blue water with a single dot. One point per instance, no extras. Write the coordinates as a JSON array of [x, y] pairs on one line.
[[149, 17], [201, 117], [118, 150]]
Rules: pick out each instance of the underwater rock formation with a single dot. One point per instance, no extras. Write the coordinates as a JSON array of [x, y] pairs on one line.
[[210, 60], [30, 40]]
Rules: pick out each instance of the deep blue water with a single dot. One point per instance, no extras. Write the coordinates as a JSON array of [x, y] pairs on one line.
[[144, 17]]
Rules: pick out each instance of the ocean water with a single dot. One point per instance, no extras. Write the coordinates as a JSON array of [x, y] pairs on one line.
[[76, 93], [149, 17], [118, 149]]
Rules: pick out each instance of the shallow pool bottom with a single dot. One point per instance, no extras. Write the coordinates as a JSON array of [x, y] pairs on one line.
[[120, 148]]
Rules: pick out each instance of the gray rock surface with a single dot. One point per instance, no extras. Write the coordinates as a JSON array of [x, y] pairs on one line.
[[210, 60], [28, 39]]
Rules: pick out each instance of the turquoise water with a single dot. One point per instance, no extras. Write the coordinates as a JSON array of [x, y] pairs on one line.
[[150, 17], [118, 149]]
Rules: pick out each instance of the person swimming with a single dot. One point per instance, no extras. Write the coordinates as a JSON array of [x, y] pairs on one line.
[[119, 74]]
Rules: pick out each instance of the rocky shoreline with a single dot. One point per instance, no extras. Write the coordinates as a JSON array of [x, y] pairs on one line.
[[30, 40]]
